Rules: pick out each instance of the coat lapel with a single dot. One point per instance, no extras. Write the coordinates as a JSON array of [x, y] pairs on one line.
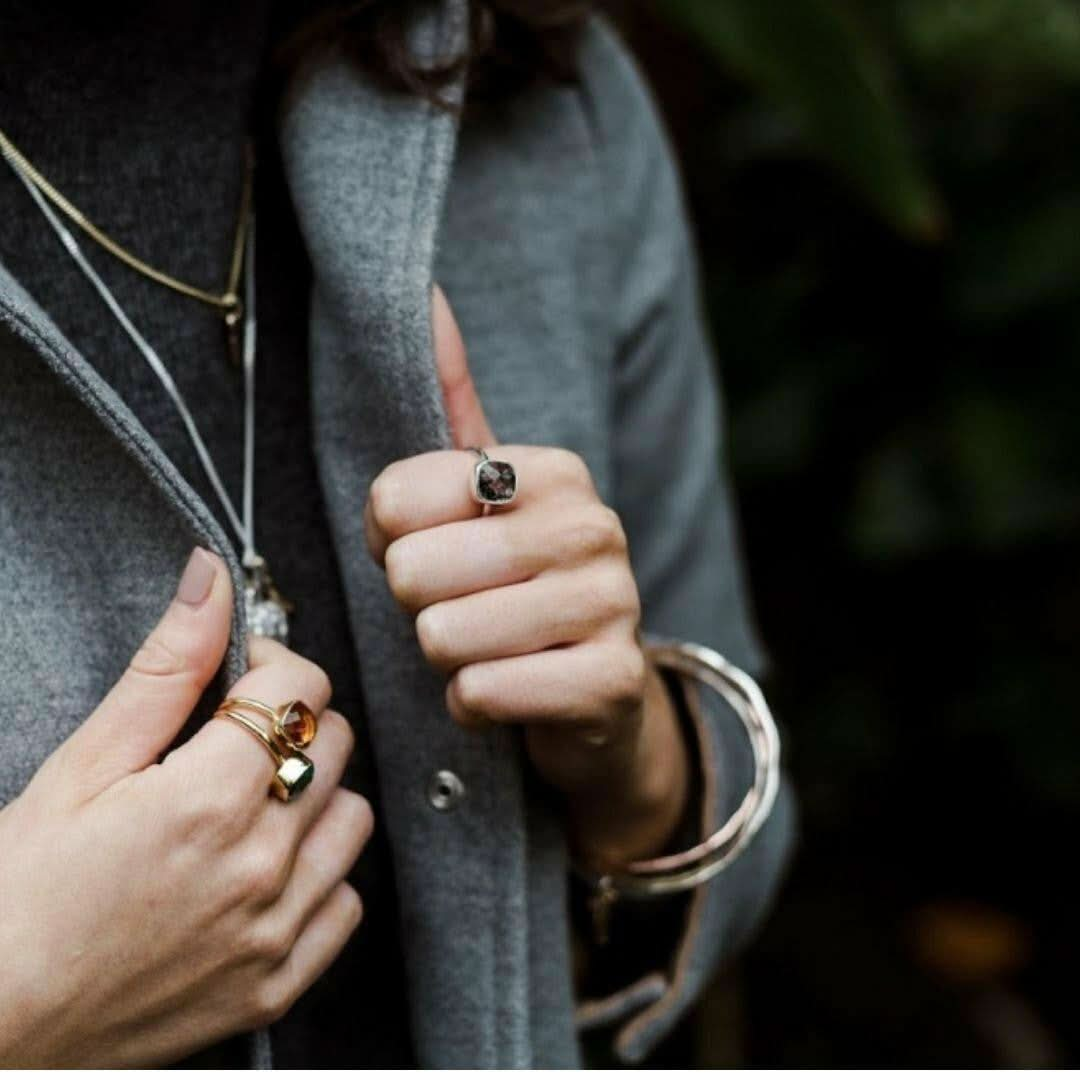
[[368, 170], [22, 316]]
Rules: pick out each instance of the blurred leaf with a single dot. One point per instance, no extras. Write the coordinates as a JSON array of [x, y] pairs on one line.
[[1032, 40], [813, 59], [1002, 463], [977, 470], [895, 510], [775, 431], [1019, 261]]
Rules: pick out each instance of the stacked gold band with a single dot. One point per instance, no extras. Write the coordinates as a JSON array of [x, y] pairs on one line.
[[293, 726]]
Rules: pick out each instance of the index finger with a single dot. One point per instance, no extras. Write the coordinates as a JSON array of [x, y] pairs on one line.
[[433, 489], [418, 493]]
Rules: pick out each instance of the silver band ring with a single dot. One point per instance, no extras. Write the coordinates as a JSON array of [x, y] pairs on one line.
[[494, 483]]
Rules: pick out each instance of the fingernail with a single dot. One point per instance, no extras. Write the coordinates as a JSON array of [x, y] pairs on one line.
[[197, 578]]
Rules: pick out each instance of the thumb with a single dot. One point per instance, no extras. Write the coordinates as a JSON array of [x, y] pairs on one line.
[[468, 424], [145, 710]]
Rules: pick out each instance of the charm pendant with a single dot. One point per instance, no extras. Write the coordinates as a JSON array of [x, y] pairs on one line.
[[267, 610]]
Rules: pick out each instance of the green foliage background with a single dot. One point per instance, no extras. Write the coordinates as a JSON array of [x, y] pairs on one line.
[[887, 195]]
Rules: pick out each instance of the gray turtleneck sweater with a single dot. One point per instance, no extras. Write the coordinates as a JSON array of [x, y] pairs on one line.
[[138, 113]]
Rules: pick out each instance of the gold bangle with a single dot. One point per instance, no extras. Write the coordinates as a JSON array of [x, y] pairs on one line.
[[293, 771]]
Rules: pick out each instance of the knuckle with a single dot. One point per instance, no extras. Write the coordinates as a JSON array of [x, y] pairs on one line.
[[597, 531], [333, 720], [628, 678], [609, 525], [582, 540], [346, 826], [313, 677], [352, 905], [269, 940], [271, 999], [159, 660], [156, 657], [627, 597], [435, 642], [400, 575], [620, 541], [615, 596], [470, 690], [203, 819], [385, 499], [261, 876], [240, 805], [569, 467], [263, 651], [358, 812]]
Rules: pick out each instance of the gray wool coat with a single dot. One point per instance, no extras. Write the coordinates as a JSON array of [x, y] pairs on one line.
[[556, 227]]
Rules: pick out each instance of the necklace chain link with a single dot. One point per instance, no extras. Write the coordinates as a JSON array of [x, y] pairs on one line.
[[228, 302]]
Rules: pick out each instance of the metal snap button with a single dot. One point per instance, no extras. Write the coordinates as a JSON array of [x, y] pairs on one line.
[[445, 790]]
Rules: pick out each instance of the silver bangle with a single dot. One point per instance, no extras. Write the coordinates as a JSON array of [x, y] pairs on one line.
[[687, 869]]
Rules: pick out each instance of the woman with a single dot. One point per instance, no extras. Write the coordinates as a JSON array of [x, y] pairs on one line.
[[487, 667]]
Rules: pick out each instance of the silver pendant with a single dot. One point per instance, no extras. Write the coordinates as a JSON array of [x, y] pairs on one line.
[[267, 610]]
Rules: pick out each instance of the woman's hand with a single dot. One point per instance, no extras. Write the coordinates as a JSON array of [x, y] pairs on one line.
[[533, 613], [148, 910]]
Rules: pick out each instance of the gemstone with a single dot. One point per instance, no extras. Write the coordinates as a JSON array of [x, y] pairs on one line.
[[293, 775], [296, 724], [496, 482]]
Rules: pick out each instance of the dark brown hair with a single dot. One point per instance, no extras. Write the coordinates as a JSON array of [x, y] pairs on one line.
[[512, 43]]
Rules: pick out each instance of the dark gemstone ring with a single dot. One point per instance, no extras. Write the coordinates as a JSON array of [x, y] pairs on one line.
[[494, 483]]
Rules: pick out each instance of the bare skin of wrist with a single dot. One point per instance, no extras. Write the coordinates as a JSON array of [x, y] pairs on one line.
[[635, 818]]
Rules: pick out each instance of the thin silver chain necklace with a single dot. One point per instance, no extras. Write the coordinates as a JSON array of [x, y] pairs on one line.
[[267, 610]]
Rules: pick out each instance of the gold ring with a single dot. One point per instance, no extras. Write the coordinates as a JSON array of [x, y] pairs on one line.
[[294, 724], [294, 771]]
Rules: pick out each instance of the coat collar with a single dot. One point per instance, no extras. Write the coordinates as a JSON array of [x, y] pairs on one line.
[[368, 170]]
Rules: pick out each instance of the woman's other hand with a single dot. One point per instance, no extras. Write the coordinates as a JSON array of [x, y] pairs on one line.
[[148, 910], [533, 614]]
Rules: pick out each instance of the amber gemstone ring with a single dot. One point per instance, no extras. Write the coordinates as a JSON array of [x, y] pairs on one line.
[[294, 724], [494, 483]]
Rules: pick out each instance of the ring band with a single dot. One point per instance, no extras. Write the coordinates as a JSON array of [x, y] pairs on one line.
[[494, 483], [294, 724], [294, 771]]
